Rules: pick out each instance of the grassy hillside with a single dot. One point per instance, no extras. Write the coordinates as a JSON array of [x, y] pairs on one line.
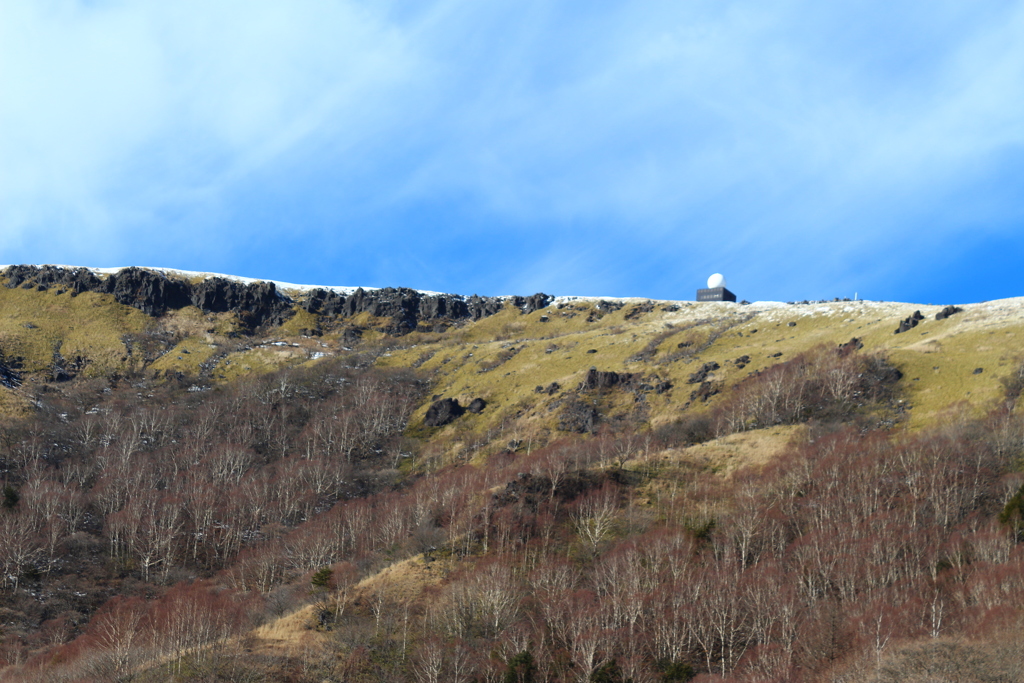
[[847, 491]]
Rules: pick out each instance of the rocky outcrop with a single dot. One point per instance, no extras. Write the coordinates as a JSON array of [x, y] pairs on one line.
[[443, 412], [9, 375], [408, 308], [150, 292], [62, 369], [75, 280], [155, 294], [578, 417], [597, 379], [948, 311], [701, 375], [910, 323], [477, 406], [258, 304], [533, 303]]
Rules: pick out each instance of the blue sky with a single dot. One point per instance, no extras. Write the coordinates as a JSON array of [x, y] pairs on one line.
[[804, 149]]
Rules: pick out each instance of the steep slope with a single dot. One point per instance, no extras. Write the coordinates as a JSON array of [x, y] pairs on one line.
[[350, 484], [59, 322]]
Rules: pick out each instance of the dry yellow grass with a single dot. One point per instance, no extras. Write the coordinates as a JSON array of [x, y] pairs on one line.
[[503, 358], [402, 583], [984, 335], [33, 324], [755, 448], [285, 634]]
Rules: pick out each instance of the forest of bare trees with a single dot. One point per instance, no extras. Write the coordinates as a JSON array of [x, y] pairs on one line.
[[145, 531]]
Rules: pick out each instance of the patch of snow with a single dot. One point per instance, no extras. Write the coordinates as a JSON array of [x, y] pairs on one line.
[[995, 312], [192, 274], [623, 299]]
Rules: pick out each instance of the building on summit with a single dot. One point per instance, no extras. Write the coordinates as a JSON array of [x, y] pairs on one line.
[[716, 290]]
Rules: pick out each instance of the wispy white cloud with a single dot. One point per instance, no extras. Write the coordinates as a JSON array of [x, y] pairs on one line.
[[798, 142], [116, 110]]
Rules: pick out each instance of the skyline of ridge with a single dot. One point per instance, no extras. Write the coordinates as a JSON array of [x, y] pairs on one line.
[[305, 288], [806, 151]]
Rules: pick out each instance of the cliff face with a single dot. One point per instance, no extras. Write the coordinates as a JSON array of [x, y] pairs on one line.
[[154, 293], [407, 308], [260, 303]]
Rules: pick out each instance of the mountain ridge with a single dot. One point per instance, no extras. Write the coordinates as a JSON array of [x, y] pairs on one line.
[[304, 468]]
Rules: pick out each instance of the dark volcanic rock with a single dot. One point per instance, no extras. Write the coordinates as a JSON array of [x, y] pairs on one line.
[[660, 387], [443, 412], [407, 308], [74, 279], [910, 323], [948, 311], [62, 369], [9, 375], [702, 374], [260, 303], [483, 306], [639, 309], [323, 302], [150, 292], [256, 304], [596, 379], [578, 417], [533, 303], [154, 293], [477, 406]]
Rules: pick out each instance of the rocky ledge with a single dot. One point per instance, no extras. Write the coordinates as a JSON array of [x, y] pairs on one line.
[[260, 304], [408, 309]]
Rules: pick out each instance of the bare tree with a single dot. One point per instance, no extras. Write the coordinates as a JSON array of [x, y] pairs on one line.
[[594, 515]]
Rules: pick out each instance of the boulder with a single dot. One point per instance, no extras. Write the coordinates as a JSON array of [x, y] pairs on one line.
[[701, 375], [477, 406], [597, 379], [909, 323], [443, 412]]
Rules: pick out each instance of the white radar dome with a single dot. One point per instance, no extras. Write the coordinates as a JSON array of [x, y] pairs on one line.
[[715, 281]]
